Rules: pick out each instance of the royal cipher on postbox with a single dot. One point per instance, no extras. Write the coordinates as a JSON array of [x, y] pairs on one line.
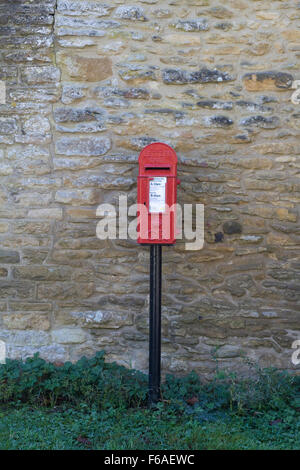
[[157, 195]]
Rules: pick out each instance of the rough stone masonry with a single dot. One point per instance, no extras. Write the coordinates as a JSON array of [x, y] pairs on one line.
[[88, 85]]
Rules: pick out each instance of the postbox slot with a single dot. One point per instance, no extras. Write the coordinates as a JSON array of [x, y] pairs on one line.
[[157, 168]]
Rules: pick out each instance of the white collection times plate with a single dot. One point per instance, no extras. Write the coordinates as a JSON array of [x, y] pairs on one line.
[[157, 194]]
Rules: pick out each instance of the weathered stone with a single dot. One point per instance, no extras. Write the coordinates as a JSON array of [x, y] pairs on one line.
[[68, 336], [76, 197], [9, 74], [272, 81], [77, 7], [136, 73], [8, 125], [284, 214], [30, 306], [32, 227], [5, 170], [130, 12], [50, 213], [162, 13], [220, 12], [40, 182], [261, 121], [259, 48], [178, 76], [85, 68], [42, 273], [91, 23], [92, 147], [100, 181], [64, 291], [178, 39], [250, 106], [251, 238], [74, 163], [33, 338], [33, 40], [129, 93], [9, 256], [213, 104], [199, 24], [47, 74], [3, 227], [16, 289], [29, 57], [103, 319], [229, 352], [292, 35], [30, 321], [224, 26], [68, 114], [80, 213], [219, 121], [71, 93], [36, 125], [84, 127], [77, 32], [231, 226]]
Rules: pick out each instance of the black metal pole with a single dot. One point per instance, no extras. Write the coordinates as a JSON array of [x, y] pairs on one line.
[[155, 324]]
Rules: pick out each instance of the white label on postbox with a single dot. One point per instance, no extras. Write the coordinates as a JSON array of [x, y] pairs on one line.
[[157, 194]]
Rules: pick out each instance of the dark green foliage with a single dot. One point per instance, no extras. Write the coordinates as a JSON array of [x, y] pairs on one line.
[[95, 382], [91, 381], [181, 388]]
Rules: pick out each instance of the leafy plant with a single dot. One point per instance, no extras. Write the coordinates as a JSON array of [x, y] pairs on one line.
[[92, 381], [95, 382]]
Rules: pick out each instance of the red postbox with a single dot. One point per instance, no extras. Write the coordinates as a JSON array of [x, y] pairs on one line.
[[157, 195]]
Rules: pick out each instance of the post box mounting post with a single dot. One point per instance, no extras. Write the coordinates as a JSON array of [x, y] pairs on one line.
[[155, 323]]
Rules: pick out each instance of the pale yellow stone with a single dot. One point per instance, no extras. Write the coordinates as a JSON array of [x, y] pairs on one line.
[[259, 48], [85, 68], [81, 213], [228, 50], [26, 321], [187, 39], [283, 214], [279, 239], [259, 85], [292, 35], [285, 159], [3, 227], [268, 15]]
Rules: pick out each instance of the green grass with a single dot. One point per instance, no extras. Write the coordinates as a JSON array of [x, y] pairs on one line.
[[95, 405], [25, 427]]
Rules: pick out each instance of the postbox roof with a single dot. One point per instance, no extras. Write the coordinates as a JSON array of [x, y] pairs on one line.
[[158, 155]]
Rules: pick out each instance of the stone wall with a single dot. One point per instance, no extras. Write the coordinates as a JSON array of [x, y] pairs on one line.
[[88, 85]]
